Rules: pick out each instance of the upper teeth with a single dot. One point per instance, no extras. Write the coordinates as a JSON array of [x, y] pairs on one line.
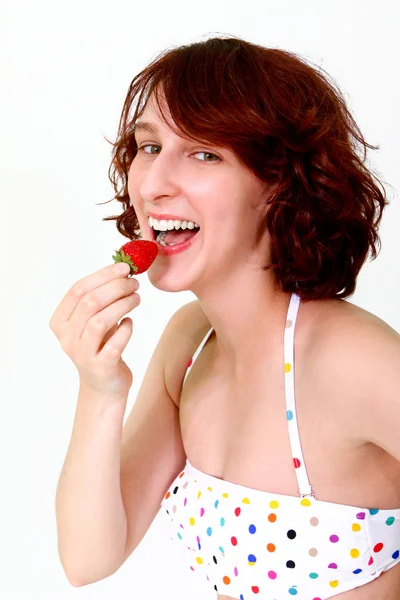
[[165, 225]]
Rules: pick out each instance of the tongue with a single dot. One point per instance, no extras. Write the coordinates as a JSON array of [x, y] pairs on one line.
[[178, 236]]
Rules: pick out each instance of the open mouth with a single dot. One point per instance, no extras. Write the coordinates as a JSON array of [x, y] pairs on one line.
[[174, 237]]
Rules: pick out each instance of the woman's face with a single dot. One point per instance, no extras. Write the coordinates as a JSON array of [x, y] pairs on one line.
[[201, 183]]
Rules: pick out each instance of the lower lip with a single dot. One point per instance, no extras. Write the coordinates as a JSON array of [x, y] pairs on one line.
[[170, 250]]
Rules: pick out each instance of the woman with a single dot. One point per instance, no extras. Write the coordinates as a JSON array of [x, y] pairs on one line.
[[266, 422]]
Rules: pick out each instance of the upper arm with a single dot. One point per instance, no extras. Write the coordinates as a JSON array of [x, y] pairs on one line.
[[364, 369], [152, 451], [382, 368]]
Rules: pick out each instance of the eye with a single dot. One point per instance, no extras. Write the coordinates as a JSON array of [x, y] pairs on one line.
[[209, 154], [214, 158], [148, 146]]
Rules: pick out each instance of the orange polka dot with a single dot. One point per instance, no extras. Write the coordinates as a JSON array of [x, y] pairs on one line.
[[272, 517], [271, 547], [226, 580], [167, 495]]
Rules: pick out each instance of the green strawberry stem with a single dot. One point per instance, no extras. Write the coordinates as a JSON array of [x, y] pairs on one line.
[[120, 256]]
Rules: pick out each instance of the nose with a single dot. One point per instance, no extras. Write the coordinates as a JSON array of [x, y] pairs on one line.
[[161, 178]]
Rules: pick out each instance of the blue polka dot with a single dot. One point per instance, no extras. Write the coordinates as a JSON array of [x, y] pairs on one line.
[[289, 415], [251, 558], [222, 521], [252, 528], [373, 511], [241, 597], [357, 571], [209, 531], [216, 503], [396, 554], [293, 591]]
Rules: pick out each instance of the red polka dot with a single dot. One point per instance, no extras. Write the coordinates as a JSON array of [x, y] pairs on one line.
[[378, 547], [237, 511], [254, 589], [234, 541], [190, 363], [296, 463]]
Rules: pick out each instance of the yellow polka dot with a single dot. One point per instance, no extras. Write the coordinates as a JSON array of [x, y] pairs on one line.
[[354, 553], [356, 527], [305, 502], [334, 583], [210, 488], [199, 560], [192, 521], [287, 367], [246, 501], [198, 495], [274, 504], [225, 495]]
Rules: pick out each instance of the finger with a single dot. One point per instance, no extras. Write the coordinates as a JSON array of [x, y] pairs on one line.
[[71, 299], [112, 350], [97, 327], [94, 302]]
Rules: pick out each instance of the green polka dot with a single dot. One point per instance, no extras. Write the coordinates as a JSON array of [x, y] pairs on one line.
[[390, 521], [313, 575]]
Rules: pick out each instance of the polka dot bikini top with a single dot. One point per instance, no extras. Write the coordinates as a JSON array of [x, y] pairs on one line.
[[250, 544]]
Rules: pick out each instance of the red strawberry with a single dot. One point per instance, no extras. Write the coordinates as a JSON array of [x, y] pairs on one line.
[[139, 254]]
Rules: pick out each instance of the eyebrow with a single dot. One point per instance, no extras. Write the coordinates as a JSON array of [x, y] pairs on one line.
[[145, 126]]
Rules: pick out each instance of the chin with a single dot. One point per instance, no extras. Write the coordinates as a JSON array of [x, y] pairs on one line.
[[165, 283]]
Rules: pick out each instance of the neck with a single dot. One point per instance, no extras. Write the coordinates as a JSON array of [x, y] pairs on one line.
[[248, 316]]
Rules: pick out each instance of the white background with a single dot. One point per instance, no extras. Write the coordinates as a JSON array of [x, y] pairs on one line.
[[65, 70]]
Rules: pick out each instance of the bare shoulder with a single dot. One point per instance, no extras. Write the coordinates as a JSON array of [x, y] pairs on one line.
[[190, 326], [356, 363], [348, 330]]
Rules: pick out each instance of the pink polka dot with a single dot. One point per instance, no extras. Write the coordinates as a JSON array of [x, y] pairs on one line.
[[190, 363], [201, 512], [272, 574], [236, 571], [371, 560], [332, 566], [334, 538]]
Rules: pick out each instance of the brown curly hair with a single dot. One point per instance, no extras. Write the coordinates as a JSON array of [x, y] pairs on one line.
[[291, 127]]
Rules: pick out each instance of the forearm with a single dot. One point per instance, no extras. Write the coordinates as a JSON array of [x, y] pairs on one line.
[[91, 520]]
